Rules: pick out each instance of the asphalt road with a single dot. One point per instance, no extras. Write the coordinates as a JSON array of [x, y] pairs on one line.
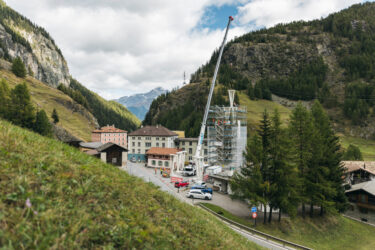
[[149, 175]]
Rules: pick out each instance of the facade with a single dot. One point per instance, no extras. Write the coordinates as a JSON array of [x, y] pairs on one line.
[[358, 171], [109, 153], [110, 134], [143, 139], [171, 158], [362, 199], [190, 146]]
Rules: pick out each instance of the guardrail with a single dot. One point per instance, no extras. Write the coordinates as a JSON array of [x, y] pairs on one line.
[[249, 229]]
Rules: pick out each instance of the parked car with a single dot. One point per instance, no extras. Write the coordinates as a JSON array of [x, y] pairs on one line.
[[200, 183], [181, 184], [189, 171], [133, 159], [203, 188], [198, 194]]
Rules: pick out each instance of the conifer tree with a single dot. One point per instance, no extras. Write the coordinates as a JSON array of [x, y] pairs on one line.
[[4, 99], [250, 91], [301, 133], [55, 116], [18, 68], [21, 110], [353, 153], [42, 125]]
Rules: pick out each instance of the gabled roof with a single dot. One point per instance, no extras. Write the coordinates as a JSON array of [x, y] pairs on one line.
[[93, 145], [351, 166], [108, 145], [153, 131], [163, 151], [368, 186], [109, 129]]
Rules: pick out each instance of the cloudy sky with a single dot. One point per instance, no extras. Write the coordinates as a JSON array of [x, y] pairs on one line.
[[122, 47]]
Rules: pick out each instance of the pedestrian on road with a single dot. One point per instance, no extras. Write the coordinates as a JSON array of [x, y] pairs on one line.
[[155, 171]]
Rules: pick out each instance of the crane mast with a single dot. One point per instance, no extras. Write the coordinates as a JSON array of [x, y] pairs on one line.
[[198, 159]]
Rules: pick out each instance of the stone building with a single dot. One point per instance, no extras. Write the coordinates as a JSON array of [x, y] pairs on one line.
[[143, 139]]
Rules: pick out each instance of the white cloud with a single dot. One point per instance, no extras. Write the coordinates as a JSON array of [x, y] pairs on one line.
[[119, 48]]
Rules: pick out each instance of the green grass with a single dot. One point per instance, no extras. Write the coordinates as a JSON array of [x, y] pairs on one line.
[[79, 202], [255, 110], [367, 147], [47, 98], [329, 232]]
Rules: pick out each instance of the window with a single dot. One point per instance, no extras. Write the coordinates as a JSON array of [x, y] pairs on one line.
[[190, 143], [148, 138], [160, 163], [148, 144], [205, 144], [139, 138], [133, 150], [166, 164], [153, 162], [157, 138], [157, 144], [139, 144], [183, 143], [133, 144], [363, 198], [139, 151], [163, 145], [205, 151], [190, 150], [183, 149], [163, 139], [190, 158], [133, 137]]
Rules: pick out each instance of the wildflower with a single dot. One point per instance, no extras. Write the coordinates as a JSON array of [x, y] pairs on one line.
[[28, 203]]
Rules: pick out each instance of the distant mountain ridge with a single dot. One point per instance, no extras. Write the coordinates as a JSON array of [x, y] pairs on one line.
[[139, 104]]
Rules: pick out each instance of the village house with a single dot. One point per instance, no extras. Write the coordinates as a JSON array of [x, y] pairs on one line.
[[362, 199], [358, 171], [109, 153], [143, 139], [110, 134], [190, 146], [171, 158]]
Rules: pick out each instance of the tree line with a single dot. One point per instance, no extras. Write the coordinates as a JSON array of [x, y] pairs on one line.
[[16, 107], [293, 167]]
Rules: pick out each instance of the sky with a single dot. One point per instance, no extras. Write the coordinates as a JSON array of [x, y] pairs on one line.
[[123, 47]]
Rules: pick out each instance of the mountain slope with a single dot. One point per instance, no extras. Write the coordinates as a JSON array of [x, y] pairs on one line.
[[75, 120], [139, 104], [329, 59], [54, 196]]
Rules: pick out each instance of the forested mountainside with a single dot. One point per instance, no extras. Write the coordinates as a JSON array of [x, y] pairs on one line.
[[43, 60], [330, 59]]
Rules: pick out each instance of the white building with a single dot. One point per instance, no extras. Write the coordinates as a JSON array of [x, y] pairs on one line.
[[171, 158], [190, 146]]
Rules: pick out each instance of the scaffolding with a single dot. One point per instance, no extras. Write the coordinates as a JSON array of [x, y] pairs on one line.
[[227, 135]]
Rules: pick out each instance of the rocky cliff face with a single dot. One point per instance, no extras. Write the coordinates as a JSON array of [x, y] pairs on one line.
[[20, 38]]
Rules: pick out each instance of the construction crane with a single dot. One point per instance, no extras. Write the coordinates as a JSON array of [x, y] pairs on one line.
[[198, 159]]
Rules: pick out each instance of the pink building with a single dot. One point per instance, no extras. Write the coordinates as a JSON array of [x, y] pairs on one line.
[[110, 134]]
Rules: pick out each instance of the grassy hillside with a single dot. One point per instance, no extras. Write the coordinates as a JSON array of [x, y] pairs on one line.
[[333, 232], [73, 117], [53, 196]]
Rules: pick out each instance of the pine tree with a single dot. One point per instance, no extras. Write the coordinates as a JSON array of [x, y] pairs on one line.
[[250, 92], [4, 99], [285, 182], [55, 116], [42, 125], [301, 133], [18, 68], [21, 110]]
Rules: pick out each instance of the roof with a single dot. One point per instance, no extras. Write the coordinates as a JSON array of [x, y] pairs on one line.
[[109, 145], [163, 151], [153, 131], [188, 139], [368, 186], [92, 145], [109, 129], [92, 152], [351, 166]]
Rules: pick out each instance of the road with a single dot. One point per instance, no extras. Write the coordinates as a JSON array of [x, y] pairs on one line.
[[149, 175]]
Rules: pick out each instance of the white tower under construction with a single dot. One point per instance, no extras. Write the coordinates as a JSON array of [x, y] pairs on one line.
[[227, 135]]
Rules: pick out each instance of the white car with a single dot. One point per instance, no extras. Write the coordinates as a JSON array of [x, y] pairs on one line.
[[198, 194], [200, 183]]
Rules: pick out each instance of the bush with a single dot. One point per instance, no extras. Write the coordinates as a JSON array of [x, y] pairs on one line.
[[18, 68]]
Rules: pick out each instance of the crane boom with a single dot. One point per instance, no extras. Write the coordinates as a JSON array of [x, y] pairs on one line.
[[198, 158]]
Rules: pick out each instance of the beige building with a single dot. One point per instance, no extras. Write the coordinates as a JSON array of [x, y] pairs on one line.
[[141, 140], [190, 146], [171, 158]]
